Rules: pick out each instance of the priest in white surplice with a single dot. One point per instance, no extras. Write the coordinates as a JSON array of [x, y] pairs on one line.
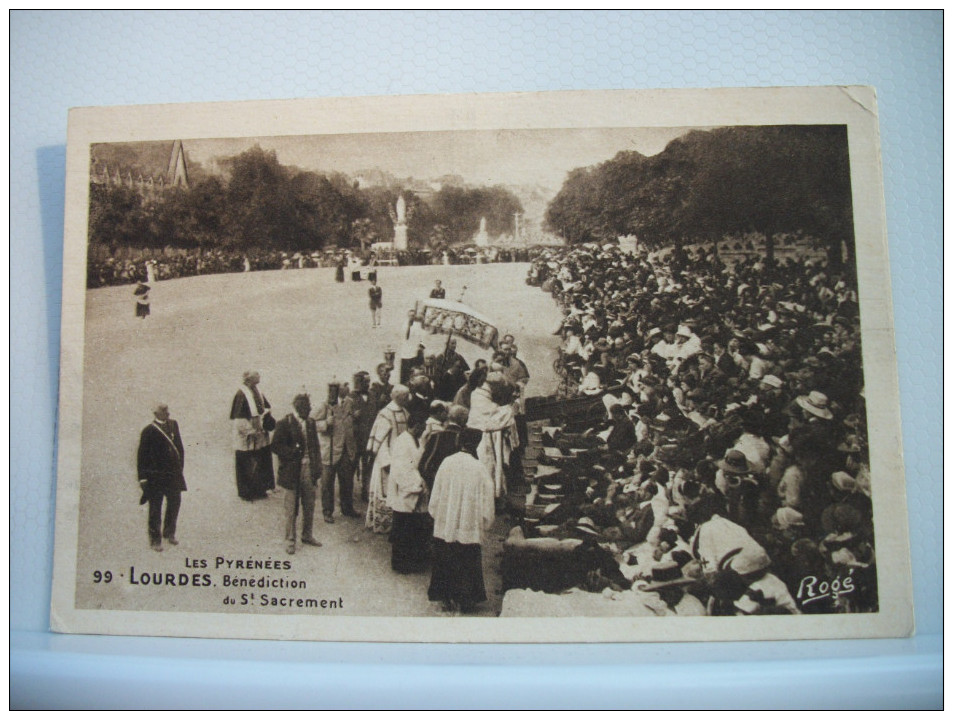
[[498, 424], [252, 423]]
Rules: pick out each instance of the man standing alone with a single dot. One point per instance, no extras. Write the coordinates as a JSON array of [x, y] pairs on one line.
[[160, 466], [376, 295], [299, 467]]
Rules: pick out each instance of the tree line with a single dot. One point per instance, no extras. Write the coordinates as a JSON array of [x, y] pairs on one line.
[[709, 184], [258, 203]]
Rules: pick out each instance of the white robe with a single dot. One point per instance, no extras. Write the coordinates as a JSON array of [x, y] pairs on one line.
[[391, 422], [461, 503], [404, 485], [499, 439], [717, 538]]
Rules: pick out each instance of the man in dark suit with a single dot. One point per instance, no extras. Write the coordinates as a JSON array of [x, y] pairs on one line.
[[379, 392], [299, 468], [445, 361], [160, 467], [438, 292], [362, 410]]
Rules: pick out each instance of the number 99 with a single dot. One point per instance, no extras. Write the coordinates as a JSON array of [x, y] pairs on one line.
[[102, 577]]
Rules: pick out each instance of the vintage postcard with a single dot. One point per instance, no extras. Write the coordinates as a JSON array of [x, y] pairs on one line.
[[555, 367]]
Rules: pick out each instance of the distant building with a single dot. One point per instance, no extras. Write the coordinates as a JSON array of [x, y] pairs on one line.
[[149, 168]]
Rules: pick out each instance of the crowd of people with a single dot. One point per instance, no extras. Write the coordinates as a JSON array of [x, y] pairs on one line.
[[428, 470], [731, 473], [726, 472], [173, 264], [428, 457]]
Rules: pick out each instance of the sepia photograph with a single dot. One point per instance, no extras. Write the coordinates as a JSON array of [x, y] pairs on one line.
[[614, 366]]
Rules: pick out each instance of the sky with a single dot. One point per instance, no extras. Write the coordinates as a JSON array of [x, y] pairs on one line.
[[508, 157]]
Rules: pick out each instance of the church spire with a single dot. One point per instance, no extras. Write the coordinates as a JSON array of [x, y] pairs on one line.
[[178, 173]]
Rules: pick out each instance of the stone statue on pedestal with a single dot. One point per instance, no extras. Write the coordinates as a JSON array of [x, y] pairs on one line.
[[400, 225], [482, 239]]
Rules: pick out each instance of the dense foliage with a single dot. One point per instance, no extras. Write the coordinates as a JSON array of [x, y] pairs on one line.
[[707, 184], [258, 203]]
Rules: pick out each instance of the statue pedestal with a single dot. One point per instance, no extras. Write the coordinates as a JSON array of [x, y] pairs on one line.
[[482, 239], [400, 237]]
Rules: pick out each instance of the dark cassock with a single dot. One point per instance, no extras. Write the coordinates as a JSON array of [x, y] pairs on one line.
[[421, 395], [407, 496], [450, 370], [252, 421], [408, 364], [439, 446], [446, 360], [448, 384], [379, 395]]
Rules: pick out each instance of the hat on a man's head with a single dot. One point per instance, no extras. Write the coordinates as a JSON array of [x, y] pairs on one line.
[[784, 443], [863, 482], [786, 517], [587, 525], [773, 380], [735, 462], [816, 403], [843, 481], [684, 331]]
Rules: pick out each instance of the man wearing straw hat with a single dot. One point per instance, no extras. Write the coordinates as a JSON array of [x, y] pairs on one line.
[[815, 406]]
